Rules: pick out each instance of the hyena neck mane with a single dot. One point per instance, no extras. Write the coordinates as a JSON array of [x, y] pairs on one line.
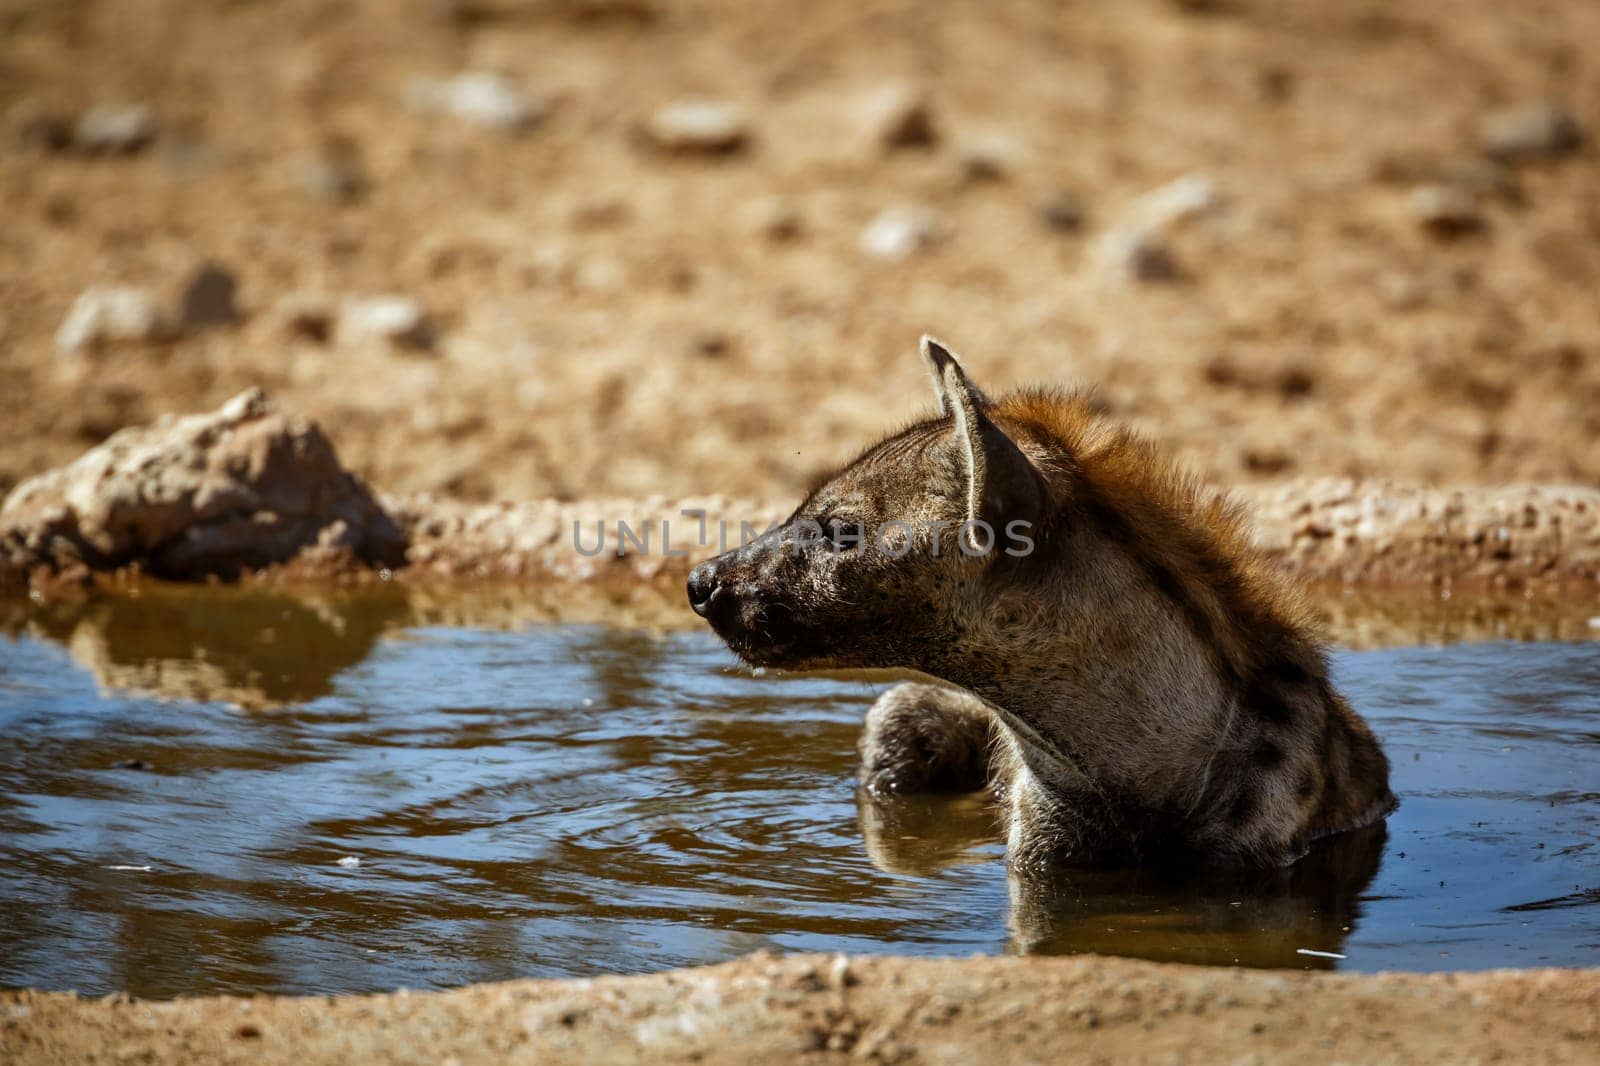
[[1147, 659]]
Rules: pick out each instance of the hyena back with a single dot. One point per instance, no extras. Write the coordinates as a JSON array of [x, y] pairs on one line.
[[1134, 679]]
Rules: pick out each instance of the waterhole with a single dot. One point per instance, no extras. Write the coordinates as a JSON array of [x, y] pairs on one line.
[[247, 791]]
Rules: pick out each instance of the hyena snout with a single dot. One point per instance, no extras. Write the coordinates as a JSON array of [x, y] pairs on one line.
[[703, 587], [728, 592], [747, 596]]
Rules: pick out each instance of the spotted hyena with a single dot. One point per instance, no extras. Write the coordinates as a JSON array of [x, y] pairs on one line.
[[1134, 680]]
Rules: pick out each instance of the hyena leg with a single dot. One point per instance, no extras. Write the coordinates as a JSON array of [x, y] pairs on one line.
[[926, 738]]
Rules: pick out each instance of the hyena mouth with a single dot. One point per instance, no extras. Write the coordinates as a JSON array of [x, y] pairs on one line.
[[768, 633], [762, 638]]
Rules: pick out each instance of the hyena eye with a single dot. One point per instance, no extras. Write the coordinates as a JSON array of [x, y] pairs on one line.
[[842, 534]]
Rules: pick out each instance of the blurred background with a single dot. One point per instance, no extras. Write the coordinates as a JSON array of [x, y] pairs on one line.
[[514, 248]]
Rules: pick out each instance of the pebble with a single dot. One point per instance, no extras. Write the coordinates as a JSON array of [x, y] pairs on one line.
[[1061, 211], [112, 314], [699, 126], [990, 155], [334, 174], [1137, 255], [900, 232], [36, 127], [397, 320], [114, 129], [1483, 177], [775, 218], [1138, 248], [306, 316], [898, 115], [483, 98], [1536, 131], [210, 298], [1446, 211]]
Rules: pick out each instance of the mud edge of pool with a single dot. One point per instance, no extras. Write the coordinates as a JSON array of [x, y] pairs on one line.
[[882, 1009], [1535, 538]]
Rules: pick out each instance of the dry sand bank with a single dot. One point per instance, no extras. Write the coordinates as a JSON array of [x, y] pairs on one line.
[[820, 1008]]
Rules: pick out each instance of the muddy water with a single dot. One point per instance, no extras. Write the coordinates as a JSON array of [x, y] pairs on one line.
[[182, 774]]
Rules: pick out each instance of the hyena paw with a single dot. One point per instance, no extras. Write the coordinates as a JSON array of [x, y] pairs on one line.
[[925, 738]]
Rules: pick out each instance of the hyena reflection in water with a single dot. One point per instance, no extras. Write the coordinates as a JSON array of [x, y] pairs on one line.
[[1136, 684]]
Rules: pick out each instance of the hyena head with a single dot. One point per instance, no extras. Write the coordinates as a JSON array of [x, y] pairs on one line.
[[881, 565]]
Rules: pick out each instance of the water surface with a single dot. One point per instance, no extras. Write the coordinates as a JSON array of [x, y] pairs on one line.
[[181, 775]]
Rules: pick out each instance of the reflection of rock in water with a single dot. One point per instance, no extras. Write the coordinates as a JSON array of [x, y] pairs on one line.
[[1220, 918], [249, 647]]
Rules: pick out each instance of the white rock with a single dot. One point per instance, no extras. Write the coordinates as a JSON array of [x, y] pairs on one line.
[[114, 128], [1175, 204], [113, 314], [396, 320], [708, 126], [900, 232], [486, 99], [349, 862], [1537, 131]]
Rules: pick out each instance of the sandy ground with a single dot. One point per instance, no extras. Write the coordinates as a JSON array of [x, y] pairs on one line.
[[834, 1009], [612, 319]]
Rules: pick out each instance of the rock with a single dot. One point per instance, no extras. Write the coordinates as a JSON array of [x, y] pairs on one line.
[[1138, 249], [900, 232], [114, 129], [214, 494], [36, 127], [775, 218], [1061, 211], [1525, 134], [1483, 178], [306, 316], [698, 126], [1136, 255], [1447, 211], [711, 344], [396, 320], [113, 314], [335, 174], [990, 155], [603, 212], [485, 99], [209, 298], [898, 115]]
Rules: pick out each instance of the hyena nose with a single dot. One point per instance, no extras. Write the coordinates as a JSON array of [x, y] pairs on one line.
[[702, 586]]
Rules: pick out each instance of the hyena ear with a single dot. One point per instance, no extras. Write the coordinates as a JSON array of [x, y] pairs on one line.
[[941, 361], [1001, 485]]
